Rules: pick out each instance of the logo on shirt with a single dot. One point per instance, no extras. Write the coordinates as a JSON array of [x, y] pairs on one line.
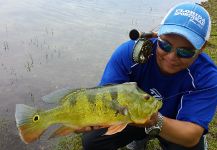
[[155, 93]]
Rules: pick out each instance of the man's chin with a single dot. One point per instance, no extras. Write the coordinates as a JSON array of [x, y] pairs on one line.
[[169, 70]]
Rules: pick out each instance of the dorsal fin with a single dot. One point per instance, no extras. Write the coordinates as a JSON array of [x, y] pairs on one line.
[[58, 95], [119, 109], [131, 83]]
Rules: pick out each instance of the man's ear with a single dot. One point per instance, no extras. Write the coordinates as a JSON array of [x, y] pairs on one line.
[[204, 45]]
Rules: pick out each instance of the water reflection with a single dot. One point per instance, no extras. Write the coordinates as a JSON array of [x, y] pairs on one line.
[[46, 45]]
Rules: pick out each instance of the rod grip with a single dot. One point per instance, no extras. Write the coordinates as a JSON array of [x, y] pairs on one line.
[[135, 34]]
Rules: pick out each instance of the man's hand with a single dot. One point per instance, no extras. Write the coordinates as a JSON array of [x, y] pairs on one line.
[[89, 128], [151, 122]]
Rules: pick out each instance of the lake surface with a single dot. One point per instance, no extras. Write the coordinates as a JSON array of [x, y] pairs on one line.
[[50, 44]]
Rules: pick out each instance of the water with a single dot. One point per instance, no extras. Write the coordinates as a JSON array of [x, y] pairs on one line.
[[50, 44]]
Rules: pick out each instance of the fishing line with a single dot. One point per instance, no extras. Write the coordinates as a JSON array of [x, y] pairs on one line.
[[142, 51], [185, 92]]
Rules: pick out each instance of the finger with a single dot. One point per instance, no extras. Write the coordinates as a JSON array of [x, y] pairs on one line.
[[88, 128], [85, 129], [154, 116], [98, 127], [151, 122]]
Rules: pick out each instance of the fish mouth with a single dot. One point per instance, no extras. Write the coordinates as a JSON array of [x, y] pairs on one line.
[[140, 121]]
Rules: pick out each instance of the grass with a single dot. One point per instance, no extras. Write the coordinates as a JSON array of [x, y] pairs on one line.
[[74, 142], [212, 135], [211, 50]]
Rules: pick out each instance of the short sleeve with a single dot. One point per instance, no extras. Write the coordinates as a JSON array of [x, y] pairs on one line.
[[199, 107], [118, 67]]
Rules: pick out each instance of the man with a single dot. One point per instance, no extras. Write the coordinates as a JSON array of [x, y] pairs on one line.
[[179, 73]]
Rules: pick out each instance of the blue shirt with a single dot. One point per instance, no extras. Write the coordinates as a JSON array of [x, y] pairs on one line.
[[189, 95]]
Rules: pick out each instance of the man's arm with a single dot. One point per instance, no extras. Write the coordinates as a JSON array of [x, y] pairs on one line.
[[181, 132], [184, 133]]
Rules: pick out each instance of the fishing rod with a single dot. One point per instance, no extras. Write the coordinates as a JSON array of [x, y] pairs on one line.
[[188, 92], [134, 34], [142, 50]]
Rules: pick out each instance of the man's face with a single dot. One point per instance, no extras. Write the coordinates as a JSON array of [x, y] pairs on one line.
[[169, 62]]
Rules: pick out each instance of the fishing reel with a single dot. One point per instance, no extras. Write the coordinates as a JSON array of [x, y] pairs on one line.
[[143, 46]]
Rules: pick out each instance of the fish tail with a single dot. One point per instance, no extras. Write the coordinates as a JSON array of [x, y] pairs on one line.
[[29, 123]]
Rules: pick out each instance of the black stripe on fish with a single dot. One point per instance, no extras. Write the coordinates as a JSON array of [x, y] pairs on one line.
[[113, 93], [73, 97], [119, 109], [92, 98]]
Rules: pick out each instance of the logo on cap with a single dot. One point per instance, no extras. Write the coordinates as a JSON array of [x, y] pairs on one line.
[[194, 17]]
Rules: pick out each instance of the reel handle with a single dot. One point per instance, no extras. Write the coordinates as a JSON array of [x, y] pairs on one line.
[[135, 34]]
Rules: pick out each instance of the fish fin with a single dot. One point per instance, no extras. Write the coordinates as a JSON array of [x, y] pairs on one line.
[[28, 123], [115, 129], [56, 96], [62, 131], [131, 83], [120, 109]]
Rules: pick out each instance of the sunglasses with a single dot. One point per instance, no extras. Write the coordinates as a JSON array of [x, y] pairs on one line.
[[180, 52]]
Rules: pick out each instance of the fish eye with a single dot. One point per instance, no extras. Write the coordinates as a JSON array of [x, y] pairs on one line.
[[35, 118], [147, 97]]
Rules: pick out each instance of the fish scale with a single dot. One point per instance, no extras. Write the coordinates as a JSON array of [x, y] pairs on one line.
[[112, 106]]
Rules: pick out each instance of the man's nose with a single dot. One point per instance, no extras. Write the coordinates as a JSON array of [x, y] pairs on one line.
[[173, 54]]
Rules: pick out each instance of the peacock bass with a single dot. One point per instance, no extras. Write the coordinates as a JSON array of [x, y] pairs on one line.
[[112, 106]]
